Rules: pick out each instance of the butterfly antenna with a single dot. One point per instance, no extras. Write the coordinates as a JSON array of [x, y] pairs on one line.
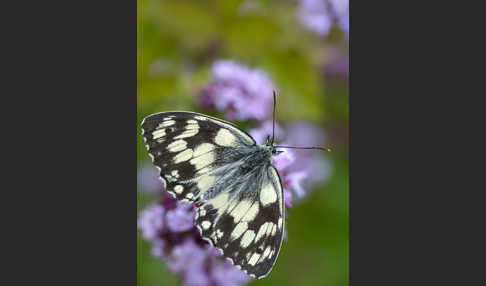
[[316, 148], [274, 106]]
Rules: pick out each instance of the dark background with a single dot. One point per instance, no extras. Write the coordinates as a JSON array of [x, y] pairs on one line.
[[415, 210]]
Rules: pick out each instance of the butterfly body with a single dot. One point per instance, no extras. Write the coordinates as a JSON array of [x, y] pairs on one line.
[[220, 168]]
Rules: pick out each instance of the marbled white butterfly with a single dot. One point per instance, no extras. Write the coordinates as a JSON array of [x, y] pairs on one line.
[[230, 178]]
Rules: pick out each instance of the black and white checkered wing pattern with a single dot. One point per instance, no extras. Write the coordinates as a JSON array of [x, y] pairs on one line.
[[246, 221], [231, 180], [187, 146]]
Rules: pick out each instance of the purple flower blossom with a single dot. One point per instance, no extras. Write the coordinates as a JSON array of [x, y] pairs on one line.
[[291, 179], [148, 176], [169, 226], [338, 65], [288, 198], [314, 14], [260, 134], [181, 218], [151, 221], [157, 250], [313, 162], [241, 92], [294, 181], [319, 15], [340, 10], [228, 275], [185, 256]]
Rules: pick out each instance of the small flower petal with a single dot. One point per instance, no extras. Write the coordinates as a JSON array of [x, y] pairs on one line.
[[241, 92], [148, 176], [181, 218], [288, 198], [226, 274], [151, 221]]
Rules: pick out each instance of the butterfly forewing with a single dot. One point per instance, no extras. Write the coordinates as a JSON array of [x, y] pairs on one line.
[[187, 146], [237, 191]]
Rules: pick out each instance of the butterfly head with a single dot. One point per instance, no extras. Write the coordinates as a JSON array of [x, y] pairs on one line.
[[271, 147]]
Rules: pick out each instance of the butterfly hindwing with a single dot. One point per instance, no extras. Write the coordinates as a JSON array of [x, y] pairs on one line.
[[247, 225]]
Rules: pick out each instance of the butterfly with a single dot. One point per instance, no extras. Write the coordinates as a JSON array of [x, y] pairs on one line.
[[229, 177]]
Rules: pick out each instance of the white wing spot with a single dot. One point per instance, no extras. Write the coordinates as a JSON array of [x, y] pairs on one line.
[[183, 156], [175, 173], [274, 229], [243, 135], [192, 122], [225, 138], [189, 196], [271, 253], [158, 133], [251, 213], [202, 118], [170, 178], [202, 212], [219, 233], [240, 210], [203, 148], [254, 258], [248, 255], [202, 160], [270, 226], [239, 230], [206, 224], [274, 174], [261, 231], [204, 182], [178, 189], [177, 146], [266, 252], [187, 133], [247, 238], [219, 201], [280, 223], [268, 195], [203, 171], [166, 123]]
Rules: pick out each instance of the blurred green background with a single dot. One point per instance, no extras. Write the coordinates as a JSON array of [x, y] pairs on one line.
[[177, 43]]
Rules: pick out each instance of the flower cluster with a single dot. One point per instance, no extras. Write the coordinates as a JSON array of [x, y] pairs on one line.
[[243, 94], [319, 15], [169, 226]]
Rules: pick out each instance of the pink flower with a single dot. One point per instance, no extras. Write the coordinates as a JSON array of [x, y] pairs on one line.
[[241, 92], [169, 226]]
